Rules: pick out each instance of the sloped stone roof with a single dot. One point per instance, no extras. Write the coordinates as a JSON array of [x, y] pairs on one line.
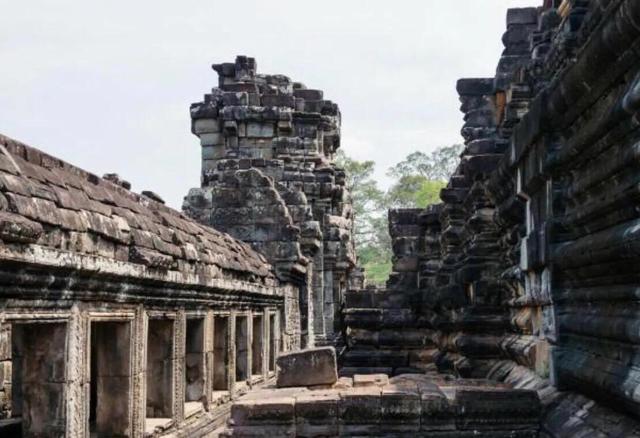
[[50, 203]]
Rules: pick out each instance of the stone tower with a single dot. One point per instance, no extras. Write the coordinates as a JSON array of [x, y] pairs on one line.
[[269, 178]]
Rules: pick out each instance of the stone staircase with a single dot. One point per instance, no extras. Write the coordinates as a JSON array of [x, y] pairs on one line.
[[385, 334]]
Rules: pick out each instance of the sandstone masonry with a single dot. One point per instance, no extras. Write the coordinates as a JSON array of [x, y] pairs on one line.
[[268, 178], [526, 271], [120, 316]]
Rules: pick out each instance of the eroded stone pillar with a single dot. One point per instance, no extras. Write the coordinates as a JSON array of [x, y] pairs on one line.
[[5, 370], [77, 377]]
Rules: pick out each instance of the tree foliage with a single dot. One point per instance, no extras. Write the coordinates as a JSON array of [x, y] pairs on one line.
[[414, 191], [418, 180], [367, 198], [437, 166]]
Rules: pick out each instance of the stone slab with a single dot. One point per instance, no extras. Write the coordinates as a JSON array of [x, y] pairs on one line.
[[316, 366]]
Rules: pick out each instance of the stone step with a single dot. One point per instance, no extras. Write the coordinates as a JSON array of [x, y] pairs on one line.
[[375, 405]]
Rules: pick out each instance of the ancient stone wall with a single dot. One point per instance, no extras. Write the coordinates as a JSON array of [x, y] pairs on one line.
[[387, 329], [268, 178], [527, 273]]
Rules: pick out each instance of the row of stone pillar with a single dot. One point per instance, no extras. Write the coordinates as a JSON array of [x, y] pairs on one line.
[[128, 371]]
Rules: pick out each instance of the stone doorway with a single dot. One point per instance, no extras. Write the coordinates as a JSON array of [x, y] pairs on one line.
[[160, 369], [257, 344], [110, 379], [195, 370], [39, 377], [220, 354], [242, 348]]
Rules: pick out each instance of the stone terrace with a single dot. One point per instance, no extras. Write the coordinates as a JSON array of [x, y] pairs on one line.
[[374, 405]]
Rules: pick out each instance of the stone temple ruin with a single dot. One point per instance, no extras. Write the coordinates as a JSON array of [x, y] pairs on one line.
[[268, 178], [511, 311]]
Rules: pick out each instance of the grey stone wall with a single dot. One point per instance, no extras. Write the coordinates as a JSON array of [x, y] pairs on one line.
[[526, 271], [534, 282]]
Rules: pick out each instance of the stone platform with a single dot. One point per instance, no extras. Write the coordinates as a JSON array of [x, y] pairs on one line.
[[376, 405]]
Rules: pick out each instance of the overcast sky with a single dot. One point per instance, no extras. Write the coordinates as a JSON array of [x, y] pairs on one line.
[[106, 85]]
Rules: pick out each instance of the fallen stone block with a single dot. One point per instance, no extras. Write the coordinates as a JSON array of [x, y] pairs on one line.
[[316, 366]]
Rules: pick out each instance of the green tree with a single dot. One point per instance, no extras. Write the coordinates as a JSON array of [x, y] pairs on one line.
[[420, 177], [437, 166], [367, 198], [414, 191], [373, 244]]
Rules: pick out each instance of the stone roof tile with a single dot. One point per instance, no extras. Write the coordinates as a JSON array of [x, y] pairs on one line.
[[55, 204]]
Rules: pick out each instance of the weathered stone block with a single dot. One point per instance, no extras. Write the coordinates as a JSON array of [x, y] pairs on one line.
[[400, 409], [213, 152], [260, 130], [360, 411], [212, 139], [309, 94], [437, 413], [522, 16], [265, 411], [316, 366], [317, 414], [206, 126]]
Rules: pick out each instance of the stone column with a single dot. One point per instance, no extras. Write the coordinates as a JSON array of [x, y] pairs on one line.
[[317, 284], [139, 333], [250, 346], [231, 352], [179, 337], [208, 349], [76, 375], [5, 370]]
